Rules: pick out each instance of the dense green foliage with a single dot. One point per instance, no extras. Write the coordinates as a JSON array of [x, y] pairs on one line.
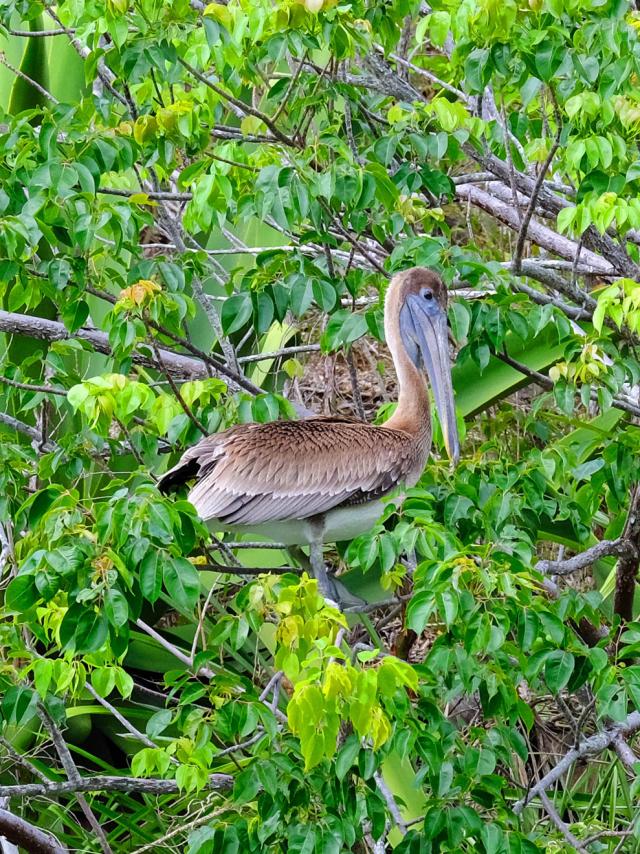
[[189, 193]]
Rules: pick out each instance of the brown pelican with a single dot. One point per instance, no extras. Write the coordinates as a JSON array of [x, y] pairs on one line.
[[322, 479]]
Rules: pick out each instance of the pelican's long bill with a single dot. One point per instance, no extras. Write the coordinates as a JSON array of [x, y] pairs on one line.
[[426, 324]]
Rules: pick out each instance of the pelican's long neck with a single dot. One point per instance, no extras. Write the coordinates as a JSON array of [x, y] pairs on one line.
[[413, 413]]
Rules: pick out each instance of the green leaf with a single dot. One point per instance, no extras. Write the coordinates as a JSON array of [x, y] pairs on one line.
[[236, 312], [91, 631], [22, 593], [151, 574], [419, 610], [182, 582], [566, 218], [75, 315], [103, 680], [343, 328], [439, 24], [475, 69], [346, 756], [558, 668]]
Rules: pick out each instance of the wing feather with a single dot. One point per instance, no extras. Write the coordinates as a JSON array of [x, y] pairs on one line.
[[259, 473]]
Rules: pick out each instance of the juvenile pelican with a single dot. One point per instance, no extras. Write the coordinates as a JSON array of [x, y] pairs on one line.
[[322, 479]]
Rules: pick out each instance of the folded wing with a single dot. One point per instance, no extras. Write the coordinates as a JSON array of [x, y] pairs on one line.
[[259, 473]]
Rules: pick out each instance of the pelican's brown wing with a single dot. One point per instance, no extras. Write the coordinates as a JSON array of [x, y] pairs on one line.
[[257, 473]]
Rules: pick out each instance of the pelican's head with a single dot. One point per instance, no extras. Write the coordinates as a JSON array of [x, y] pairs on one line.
[[418, 298]]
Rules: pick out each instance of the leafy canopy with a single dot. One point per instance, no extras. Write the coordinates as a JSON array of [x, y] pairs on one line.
[[194, 201]]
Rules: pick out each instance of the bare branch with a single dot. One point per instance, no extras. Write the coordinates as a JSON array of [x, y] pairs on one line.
[[245, 109], [44, 92], [20, 832], [541, 235], [230, 569], [422, 72], [151, 194], [22, 760], [248, 545], [537, 187], [626, 754], [140, 736], [235, 377], [105, 783], [157, 844], [553, 814], [173, 649], [52, 330], [605, 548], [176, 392], [277, 354], [42, 389], [271, 685], [591, 746], [543, 380], [27, 430], [38, 34], [73, 775], [107, 77], [391, 803]]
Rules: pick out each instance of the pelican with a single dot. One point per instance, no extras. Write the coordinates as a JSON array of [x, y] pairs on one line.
[[323, 479]]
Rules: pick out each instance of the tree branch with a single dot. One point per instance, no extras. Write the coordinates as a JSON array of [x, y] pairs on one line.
[[42, 389], [27, 430], [621, 548], [545, 382], [562, 826], [105, 783], [541, 235], [537, 188], [245, 109], [591, 746], [176, 392], [52, 330], [73, 774], [391, 803], [44, 92], [20, 832]]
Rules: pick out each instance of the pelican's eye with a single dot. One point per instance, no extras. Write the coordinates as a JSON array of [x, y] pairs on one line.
[[427, 294]]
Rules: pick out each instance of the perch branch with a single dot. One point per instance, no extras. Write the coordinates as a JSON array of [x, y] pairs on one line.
[[105, 783]]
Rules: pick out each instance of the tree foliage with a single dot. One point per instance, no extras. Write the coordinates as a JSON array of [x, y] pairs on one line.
[[200, 209]]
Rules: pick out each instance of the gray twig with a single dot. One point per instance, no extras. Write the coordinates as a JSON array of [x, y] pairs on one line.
[[140, 736], [524, 228], [43, 389], [562, 826], [44, 92], [73, 775], [391, 803], [176, 392], [355, 385]]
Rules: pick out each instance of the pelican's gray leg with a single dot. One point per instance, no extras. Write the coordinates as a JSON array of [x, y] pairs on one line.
[[319, 569], [316, 558]]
